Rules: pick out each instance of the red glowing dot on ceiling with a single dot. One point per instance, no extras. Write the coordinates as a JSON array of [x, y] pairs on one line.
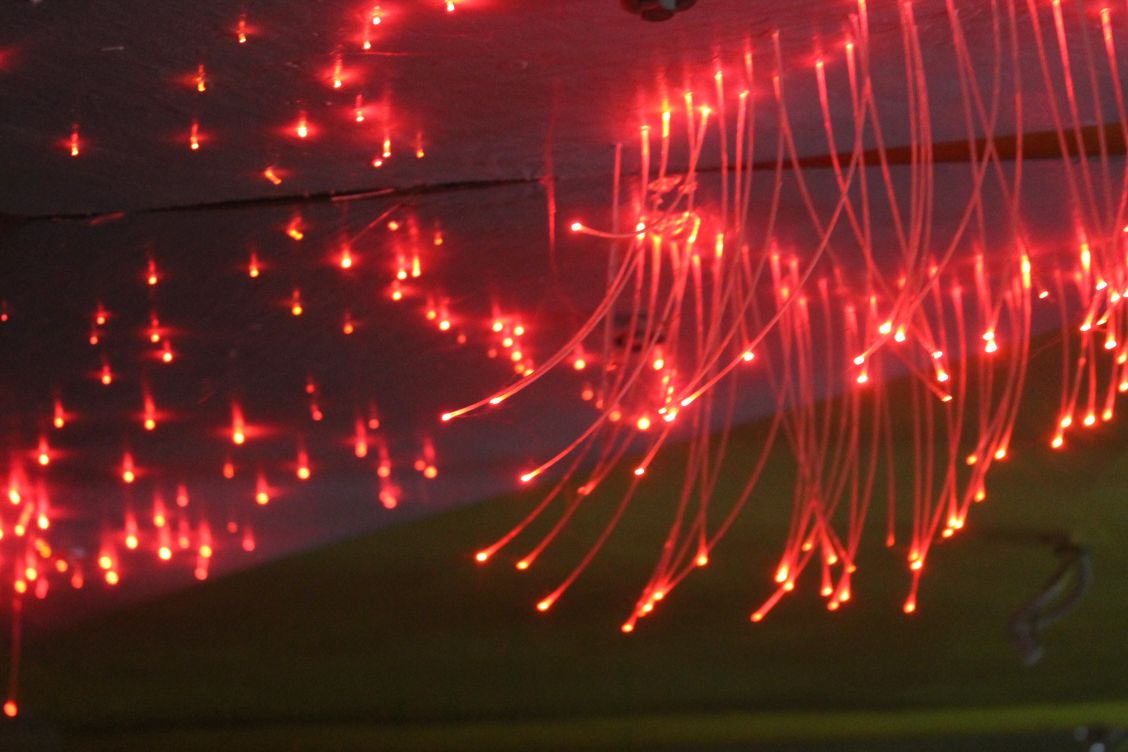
[[238, 427], [294, 229], [338, 72], [262, 491]]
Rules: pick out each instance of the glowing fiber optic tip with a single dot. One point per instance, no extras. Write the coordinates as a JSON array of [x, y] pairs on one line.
[[576, 226], [482, 557]]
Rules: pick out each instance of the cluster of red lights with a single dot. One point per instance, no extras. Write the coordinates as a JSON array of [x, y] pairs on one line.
[[172, 528], [377, 117], [703, 299], [706, 302]]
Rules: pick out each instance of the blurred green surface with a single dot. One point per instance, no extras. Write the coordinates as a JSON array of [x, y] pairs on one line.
[[397, 640]]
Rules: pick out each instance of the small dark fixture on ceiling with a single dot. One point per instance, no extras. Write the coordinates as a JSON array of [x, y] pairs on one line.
[[657, 10]]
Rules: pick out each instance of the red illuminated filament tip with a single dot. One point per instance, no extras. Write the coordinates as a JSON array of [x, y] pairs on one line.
[[128, 472], [262, 491], [294, 229], [238, 427], [303, 471], [149, 418], [338, 72], [360, 446]]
